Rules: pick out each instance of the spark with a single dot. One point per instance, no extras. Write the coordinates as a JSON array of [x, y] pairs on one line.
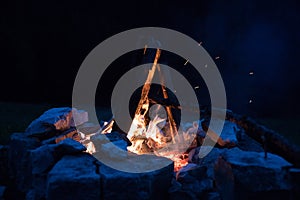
[[217, 57], [251, 73], [197, 87], [200, 43], [145, 49], [250, 101], [186, 61]]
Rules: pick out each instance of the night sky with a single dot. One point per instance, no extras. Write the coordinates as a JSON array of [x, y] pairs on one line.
[[43, 44]]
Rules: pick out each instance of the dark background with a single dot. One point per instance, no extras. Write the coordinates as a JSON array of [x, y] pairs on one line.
[[43, 44]]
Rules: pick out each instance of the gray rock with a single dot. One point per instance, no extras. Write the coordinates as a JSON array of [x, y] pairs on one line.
[[224, 179], [294, 174], [212, 196], [100, 139], [110, 146], [192, 169], [52, 119], [253, 173], [68, 146], [175, 186], [246, 143], [4, 164], [182, 195], [193, 179], [34, 195], [74, 177], [19, 160], [56, 119], [209, 160], [229, 132], [124, 185], [44, 158]]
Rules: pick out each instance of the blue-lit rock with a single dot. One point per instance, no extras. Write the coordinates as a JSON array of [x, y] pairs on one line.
[[148, 185], [74, 177], [19, 160], [56, 119]]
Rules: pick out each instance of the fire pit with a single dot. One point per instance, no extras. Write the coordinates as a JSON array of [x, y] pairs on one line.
[[41, 166], [54, 159]]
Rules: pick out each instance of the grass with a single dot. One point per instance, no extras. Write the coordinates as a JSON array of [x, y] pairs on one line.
[[15, 117]]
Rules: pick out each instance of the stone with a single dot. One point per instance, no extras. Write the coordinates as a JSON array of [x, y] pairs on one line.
[[51, 120], [55, 121], [192, 169], [116, 136], [112, 151], [99, 139], [44, 158], [110, 145], [294, 176], [246, 143], [182, 195], [255, 175], [224, 179], [175, 186], [193, 179], [4, 176], [70, 133], [251, 171], [69, 146], [209, 160], [48, 153], [74, 177], [88, 128], [19, 160], [147, 185], [229, 132], [212, 196]]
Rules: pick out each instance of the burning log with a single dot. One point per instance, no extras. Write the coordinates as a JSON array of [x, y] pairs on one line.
[[172, 124], [143, 105]]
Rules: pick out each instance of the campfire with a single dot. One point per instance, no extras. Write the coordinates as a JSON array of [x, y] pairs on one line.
[[155, 130], [160, 135]]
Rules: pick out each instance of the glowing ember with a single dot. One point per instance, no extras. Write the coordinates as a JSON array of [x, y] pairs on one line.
[[180, 160]]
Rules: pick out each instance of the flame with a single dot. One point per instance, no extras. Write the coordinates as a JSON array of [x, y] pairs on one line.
[[152, 139], [149, 138]]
